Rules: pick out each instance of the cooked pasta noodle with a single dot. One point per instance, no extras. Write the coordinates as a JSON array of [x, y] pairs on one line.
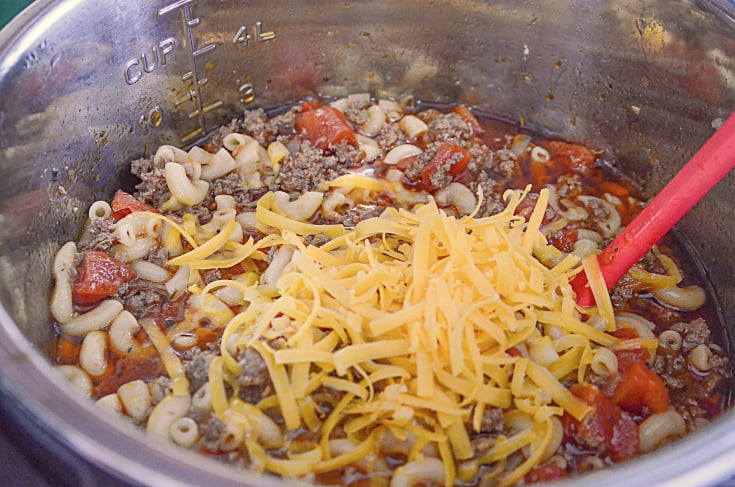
[[539, 154], [459, 196], [137, 250], [99, 210], [375, 121], [121, 333], [92, 353], [165, 413], [413, 126], [671, 339], [150, 272], [690, 298], [184, 431], [660, 427], [95, 319], [170, 153], [302, 208], [61, 305], [77, 377], [604, 362], [361, 291], [110, 403], [234, 140], [182, 189], [219, 165], [419, 472], [178, 282], [700, 357], [401, 152], [135, 399]]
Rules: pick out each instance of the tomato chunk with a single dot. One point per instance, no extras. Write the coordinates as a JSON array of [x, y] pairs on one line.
[[625, 333], [575, 156], [325, 126], [124, 204], [545, 473], [99, 276], [468, 117], [448, 153], [640, 390], [564, 239], [607, 428]]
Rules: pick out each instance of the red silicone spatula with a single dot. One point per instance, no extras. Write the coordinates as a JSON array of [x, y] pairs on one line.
[[710, 164]]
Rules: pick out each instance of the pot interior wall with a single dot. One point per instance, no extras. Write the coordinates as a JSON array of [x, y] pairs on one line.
[[642, 79]]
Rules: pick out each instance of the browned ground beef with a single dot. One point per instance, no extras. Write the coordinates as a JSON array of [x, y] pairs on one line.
[[255, 381], [101, 235], [450, 126], [196, 366], [307, 168], [152, 188], [694, 333]]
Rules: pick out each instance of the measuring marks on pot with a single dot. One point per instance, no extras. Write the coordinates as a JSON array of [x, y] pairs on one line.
[[193, 99], [194, 81], [242, 38]]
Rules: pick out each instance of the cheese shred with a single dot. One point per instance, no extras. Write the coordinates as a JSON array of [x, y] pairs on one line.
[[418, 323]]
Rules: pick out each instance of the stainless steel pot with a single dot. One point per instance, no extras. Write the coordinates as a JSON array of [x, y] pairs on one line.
[[86, 86]]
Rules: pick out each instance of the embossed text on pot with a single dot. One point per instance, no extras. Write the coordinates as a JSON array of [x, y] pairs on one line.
[[85, 88]]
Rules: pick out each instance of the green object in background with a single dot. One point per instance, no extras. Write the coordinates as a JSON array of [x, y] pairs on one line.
[[11, 8]]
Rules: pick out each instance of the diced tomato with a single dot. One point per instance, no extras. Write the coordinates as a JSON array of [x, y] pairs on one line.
[[625, 442], [625, 333], [468, 117], [575, 156], [564, 239], [99, 276], [406, 162], [545, 473], [640, 390], [310, 105], [514, 352], [325, 126], [124, 204], [450, 154], [607, 428], [528, 204]]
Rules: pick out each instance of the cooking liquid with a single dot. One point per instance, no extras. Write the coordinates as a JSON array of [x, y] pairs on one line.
[[597, 181]]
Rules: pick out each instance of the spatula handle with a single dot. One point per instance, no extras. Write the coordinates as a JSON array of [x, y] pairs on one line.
[[708, 166]]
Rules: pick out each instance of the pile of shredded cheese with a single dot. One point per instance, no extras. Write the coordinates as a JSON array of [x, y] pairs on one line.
[[419, 322]]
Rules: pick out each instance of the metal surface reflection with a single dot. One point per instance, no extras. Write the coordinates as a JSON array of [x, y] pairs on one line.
[[87, 88]]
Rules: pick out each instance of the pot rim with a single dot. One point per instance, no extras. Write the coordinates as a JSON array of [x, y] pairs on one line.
[[38, 394]]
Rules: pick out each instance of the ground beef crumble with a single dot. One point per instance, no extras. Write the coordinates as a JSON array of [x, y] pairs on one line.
[[101, 235], [255, 381], [152, 188], [196, 366], [307, 168], [693, 333], [450, 126], [254, 124]]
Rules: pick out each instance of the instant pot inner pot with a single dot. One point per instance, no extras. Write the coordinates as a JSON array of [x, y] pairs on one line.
[[87, 88]]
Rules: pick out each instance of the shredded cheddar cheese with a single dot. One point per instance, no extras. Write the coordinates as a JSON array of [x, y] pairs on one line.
[[419, 321]]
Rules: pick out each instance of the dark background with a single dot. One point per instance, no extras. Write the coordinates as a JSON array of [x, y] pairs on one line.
[[9, 8]]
